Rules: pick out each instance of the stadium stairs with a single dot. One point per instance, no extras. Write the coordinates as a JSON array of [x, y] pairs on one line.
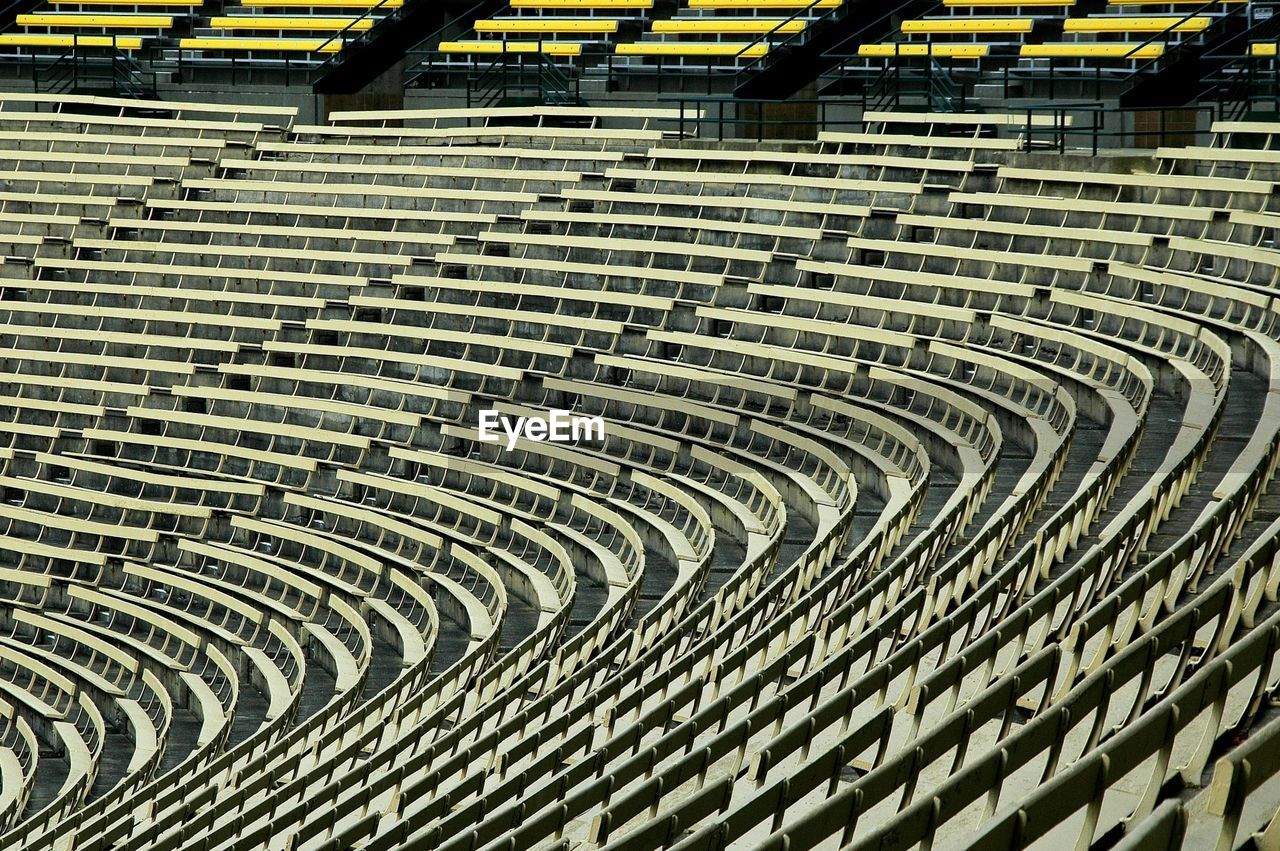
[[392, 38], [1179, 77], [796, 63]]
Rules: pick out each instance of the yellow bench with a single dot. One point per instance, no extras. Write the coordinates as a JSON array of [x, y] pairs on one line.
[[581, 4], [952, 51], [91, 19], [179, 4], [551, 48], [762, 4], [728, 25], [1124, 23], [1085, 50], [547, 25], [325, 4], [1262, 49], [964, 4], [968, 25], [691, 48], [129, 42], [285, 22], [306, 45]]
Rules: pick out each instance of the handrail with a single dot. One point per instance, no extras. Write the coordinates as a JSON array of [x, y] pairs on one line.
[[467, 15], [367, 14], [91, 63], [354, 21], [837, 12], [1254, 22], [1060, 130], [1173, 27], [935, 81], [13, 6], [419, 59], [531, 71], [708, 111], [764, 36]]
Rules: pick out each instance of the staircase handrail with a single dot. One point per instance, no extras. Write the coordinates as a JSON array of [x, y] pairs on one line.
[[438, 32], [1142, 69], [339, 35], [834, 14], [531, 70], [796, 15]]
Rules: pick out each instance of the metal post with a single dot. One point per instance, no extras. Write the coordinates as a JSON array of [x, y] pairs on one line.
[[928, 74]]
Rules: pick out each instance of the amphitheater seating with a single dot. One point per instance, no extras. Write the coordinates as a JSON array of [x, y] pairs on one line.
[[935, 505], [551, 28], [265, 30], [1029, 35], [1028, 38], [722, 32]]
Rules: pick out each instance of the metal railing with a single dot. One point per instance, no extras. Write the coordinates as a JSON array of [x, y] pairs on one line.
[[1229, 14], [798, 15], [362, 36], [1065, 125], [1246, 81], [710, 116], [516, 75], [422, 58], [182, 62], [888, 86], [93, 67], [837, 13]]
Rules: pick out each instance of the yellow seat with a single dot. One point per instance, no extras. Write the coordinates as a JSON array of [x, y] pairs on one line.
[[179, 4], [547, 25], [1126, 24], [1090, 50], [551, 48], [1005, 3], [1268, 49], [968, 25], [91, 19], [285, 22], [319, 4], [126, 42], [291, 45], [952, 51], [762, 4], [692, 48], [728, 25], [581, 4]]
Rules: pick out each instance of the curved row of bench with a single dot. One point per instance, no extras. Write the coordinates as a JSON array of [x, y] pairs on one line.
[[935, 502]]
